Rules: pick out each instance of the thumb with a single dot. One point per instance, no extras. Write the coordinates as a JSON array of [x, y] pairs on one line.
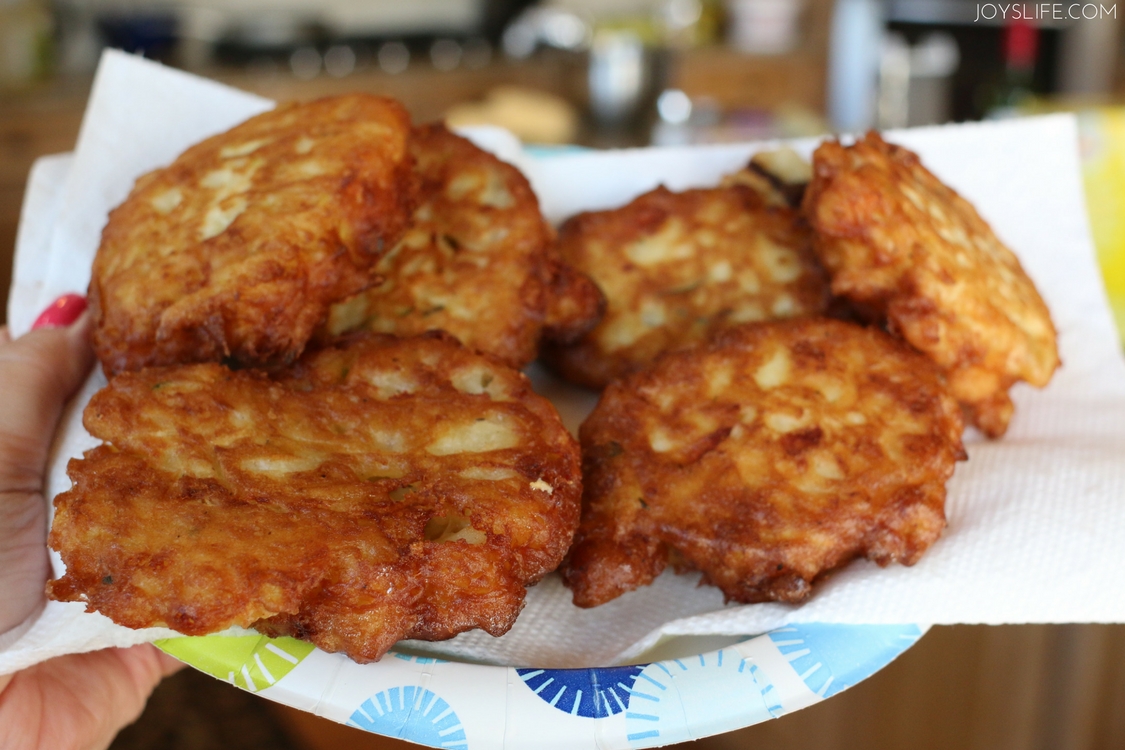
[[40, 371]]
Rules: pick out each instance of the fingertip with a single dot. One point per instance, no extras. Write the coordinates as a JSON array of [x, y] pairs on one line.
[[62, 312], [69, 312]]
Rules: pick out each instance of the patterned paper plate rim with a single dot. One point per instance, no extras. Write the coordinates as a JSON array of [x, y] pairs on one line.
[[460, 706]]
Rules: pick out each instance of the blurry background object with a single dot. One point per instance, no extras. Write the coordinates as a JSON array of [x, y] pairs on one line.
[[612, 58], [893, 108], [684, 121], [536, 117], [763, 27], [620, 44], [550, 25], [933, 61], [674, 109], [1102, 131], [737, 64], [624, 76], [151, 32], [77, 37], [25, 42], [1063, 50], [619, 74], [1014, 89], [739, 61], [394, 57], [915, 82], [853, 64], [1089, 53]]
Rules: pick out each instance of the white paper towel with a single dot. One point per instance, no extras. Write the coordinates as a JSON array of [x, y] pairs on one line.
[[1035, 519]]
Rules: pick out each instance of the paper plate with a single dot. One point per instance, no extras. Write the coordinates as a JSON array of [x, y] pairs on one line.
[[460, 706]]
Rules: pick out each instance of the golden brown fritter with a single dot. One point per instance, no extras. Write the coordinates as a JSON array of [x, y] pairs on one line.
[[384, 490], [477, 261], [764, 458], [237, 248], [676, 267], [897, 240]]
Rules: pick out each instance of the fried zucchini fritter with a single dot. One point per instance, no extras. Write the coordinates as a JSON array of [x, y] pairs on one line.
[[237, 248], [477, 261], [765, 457], [898, 241], [677, 267], [388, 489]]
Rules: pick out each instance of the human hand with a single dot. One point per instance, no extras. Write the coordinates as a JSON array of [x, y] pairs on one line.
[[80, 700]]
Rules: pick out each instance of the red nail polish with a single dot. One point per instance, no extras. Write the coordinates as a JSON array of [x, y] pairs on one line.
[[62, 312]]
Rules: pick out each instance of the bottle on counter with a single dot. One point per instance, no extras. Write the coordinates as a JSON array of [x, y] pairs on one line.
[[854, 55], [1014, 90]]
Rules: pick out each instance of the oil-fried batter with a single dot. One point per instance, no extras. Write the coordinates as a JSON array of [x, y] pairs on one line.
[[477, 261], [897, 240], [388, 489], [769, 455], [237, 248], [676, 267]]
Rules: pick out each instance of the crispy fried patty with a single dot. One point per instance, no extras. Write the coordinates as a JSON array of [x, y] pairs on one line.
[[676, 267], [477, 261], [237, 248], [898, 241], [763, 458], [384, 490]]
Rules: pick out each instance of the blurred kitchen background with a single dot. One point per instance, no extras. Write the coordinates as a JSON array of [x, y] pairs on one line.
[[607, 73]]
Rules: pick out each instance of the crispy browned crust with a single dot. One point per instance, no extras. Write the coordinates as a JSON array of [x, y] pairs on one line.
[[476, 261], [575, 304], [676, 267], [237, 248], [764, 458], [896, 239], [384, 490]]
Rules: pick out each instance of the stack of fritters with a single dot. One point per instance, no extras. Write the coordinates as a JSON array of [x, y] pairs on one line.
[[477, 262], [377, 489], [397, 483], [387, 489], [677, 267], [898, 241], [236, 250]]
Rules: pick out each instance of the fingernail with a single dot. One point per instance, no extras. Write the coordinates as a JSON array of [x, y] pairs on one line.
[[62, 312]]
